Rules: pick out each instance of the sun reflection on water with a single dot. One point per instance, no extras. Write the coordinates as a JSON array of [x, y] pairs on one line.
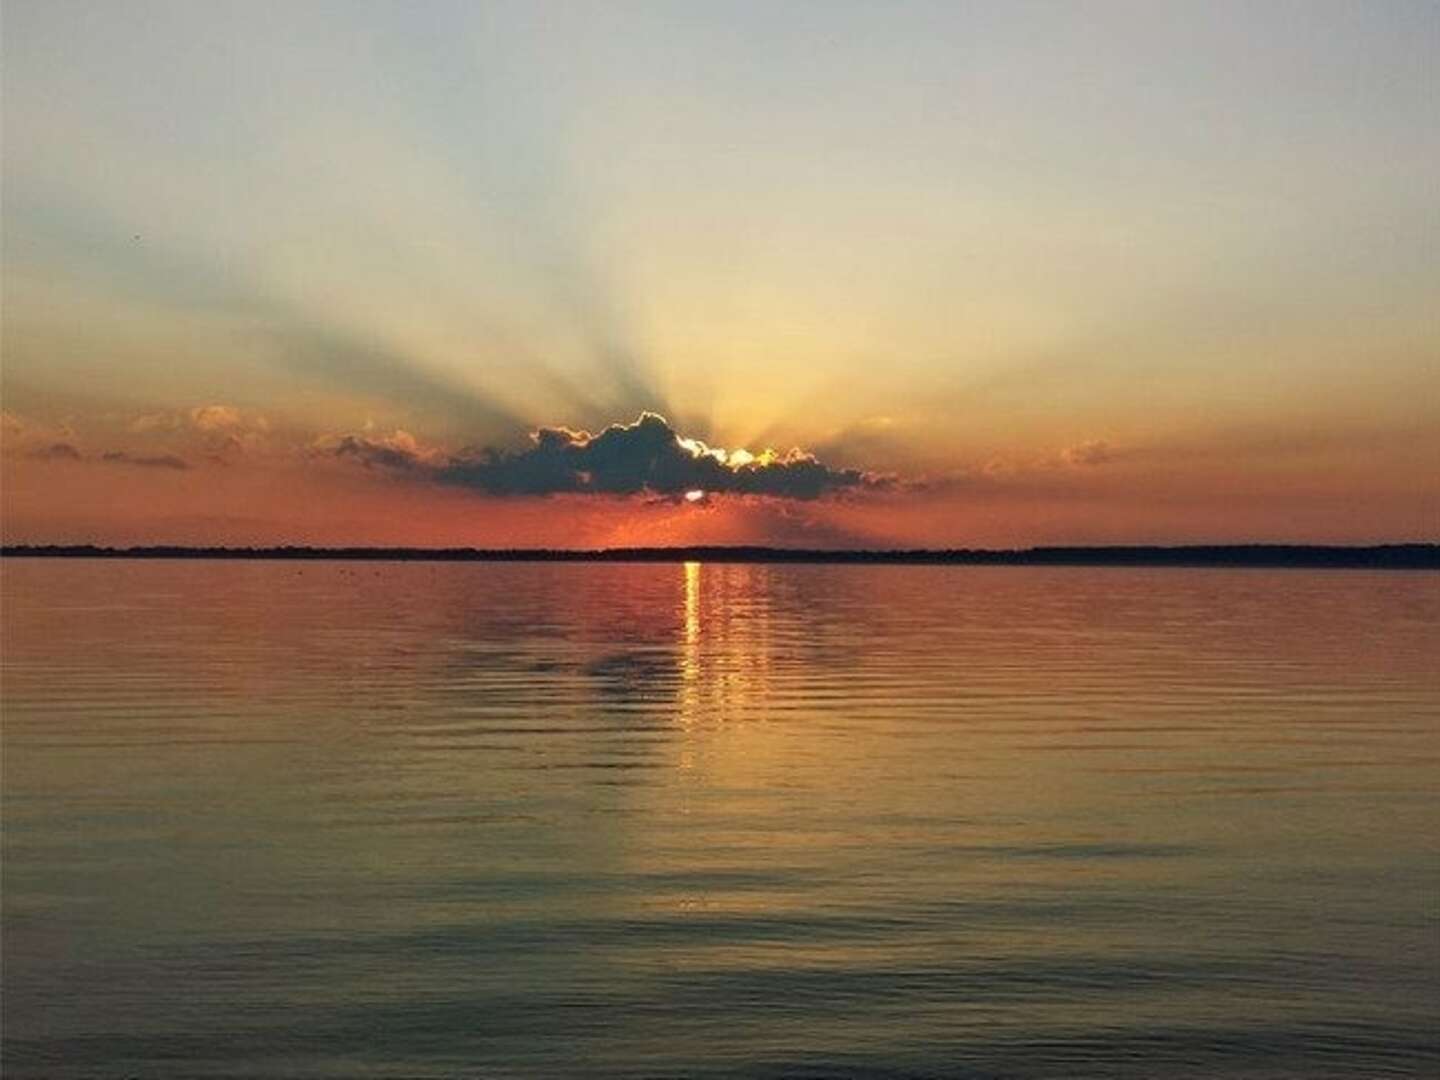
[[692, 608], [690, 655]]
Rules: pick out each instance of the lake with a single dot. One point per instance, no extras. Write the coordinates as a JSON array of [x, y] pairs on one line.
[[278, 819]]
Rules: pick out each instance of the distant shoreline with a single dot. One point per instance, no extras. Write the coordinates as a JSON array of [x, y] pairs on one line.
[[1409, 556]]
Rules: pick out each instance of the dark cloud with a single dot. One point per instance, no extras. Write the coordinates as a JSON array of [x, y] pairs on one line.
[[60, 451], [646, 457], [156, 461]]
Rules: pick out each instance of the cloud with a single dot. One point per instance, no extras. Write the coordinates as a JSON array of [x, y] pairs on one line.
[[219, 432], [399, 450], [38, 439], [215, 418], [646, 457], [44, 442], [205, 418], [155, 461], [1093, 452], [60, 451]]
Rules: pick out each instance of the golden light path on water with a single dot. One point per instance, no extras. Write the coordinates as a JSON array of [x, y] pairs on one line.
[[690, 657]]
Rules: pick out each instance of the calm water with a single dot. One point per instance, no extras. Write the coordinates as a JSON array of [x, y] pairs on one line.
[[276, 819]]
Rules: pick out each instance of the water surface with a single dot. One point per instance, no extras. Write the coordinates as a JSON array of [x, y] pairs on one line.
[[434, 820]]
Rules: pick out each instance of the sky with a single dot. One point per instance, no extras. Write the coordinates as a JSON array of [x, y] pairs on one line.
[[831, 274]]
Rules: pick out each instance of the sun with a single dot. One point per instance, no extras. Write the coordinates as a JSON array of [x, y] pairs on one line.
[[694, 495]]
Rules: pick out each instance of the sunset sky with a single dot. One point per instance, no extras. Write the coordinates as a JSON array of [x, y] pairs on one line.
[[978, 274]]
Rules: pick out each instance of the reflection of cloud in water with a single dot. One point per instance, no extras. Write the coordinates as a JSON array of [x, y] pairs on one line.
[[642, 675]]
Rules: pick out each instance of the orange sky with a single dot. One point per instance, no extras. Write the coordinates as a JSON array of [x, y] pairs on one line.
[[304, 499], [1120, 274]]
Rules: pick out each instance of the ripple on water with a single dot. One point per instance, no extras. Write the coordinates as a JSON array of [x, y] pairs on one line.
[[461, 819]]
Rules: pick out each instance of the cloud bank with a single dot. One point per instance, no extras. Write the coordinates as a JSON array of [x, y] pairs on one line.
[[47, 443], [646, 457]]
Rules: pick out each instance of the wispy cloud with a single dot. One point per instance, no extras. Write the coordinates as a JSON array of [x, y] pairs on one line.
[[149, 461], [399, 450], [1092, 452], [60, 451]]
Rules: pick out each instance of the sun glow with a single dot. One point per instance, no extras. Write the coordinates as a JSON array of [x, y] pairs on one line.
[[694, 496], [699, 449], [731, 459]]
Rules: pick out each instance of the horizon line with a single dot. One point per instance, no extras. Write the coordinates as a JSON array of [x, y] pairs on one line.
[[1389, 555]]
